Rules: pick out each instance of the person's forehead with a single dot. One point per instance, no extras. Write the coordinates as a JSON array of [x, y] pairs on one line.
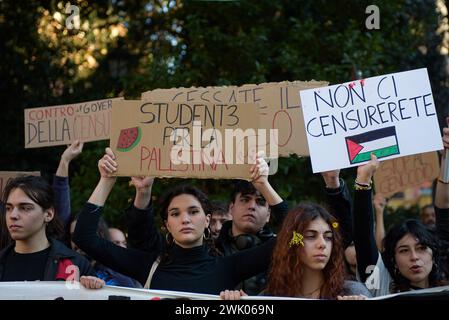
[[318, 225], [249, 194], [17, 196], [407, 240], [183, 201], [116, 233]]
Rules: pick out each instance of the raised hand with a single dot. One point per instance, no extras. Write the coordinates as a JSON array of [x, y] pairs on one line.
[[259, 172], [67, 156], [331, 178], [107, 165], [259, 178], [143, 187], [72, 151], [379, 202], [365, 172], [142, 183]]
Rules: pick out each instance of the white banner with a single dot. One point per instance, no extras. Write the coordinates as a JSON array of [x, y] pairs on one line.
[[391, 116], [51, 290]]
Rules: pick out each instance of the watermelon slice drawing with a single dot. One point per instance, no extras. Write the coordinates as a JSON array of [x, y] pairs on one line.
[[128, 139]]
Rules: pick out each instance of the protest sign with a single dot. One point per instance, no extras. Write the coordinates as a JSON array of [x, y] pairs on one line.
[[279, 106], [184, 139], [61, 125], [399, 174], [391, 116], [5, 176]]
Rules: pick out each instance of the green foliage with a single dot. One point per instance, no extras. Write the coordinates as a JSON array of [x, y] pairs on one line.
[[199, 43]]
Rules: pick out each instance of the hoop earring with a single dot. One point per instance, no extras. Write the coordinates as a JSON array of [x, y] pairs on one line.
[[209, 234], [167, 238]]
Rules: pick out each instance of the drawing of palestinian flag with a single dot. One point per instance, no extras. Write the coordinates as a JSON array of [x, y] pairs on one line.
[[382, 142]]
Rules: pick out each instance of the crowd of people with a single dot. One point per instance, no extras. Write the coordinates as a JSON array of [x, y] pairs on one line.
[[337, 251]]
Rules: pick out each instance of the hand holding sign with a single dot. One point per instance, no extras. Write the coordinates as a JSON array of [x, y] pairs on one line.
[[143, 187], [107, 164], [331, 178], [72, 151], [259, 171], [366, 171], [67, 156], [142, 183]]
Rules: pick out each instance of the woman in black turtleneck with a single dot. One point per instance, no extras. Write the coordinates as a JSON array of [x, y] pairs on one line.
[[187, 261]]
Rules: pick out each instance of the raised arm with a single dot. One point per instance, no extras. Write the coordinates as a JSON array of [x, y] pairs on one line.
[[142, 232], [259, 179], [340, 203], [364, 241], [442, 194], [107, 166], [379, 206], [61, 185], [130, 262]]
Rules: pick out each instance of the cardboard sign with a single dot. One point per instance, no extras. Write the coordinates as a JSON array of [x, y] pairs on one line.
[[279, 106], [399, 174], [183, 139], [5, 176], [61, 125], [391, 116]]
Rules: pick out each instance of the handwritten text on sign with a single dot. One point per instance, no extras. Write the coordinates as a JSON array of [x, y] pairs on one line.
[[391, 116], [398, 174], [148, 136], [61, 125], [279, 106]]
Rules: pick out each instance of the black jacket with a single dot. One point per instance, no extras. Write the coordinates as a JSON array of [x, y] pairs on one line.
[[59, 259], [227, 244], [185, 269]]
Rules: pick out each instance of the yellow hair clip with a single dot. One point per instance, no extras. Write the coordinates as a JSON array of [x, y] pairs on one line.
[[296, 239]]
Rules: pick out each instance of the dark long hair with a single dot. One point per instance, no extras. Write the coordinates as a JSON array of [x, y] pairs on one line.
[[40, 191], [205, 205], [286, 270], [5, 239], [426, 238]]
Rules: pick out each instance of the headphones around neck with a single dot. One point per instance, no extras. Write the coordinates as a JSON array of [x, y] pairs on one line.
[[246, 241]]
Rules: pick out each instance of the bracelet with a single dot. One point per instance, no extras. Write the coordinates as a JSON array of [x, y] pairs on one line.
[[362, 186]]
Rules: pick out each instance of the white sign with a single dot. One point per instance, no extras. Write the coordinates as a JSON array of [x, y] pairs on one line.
[[391, 116], [52, 290]]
